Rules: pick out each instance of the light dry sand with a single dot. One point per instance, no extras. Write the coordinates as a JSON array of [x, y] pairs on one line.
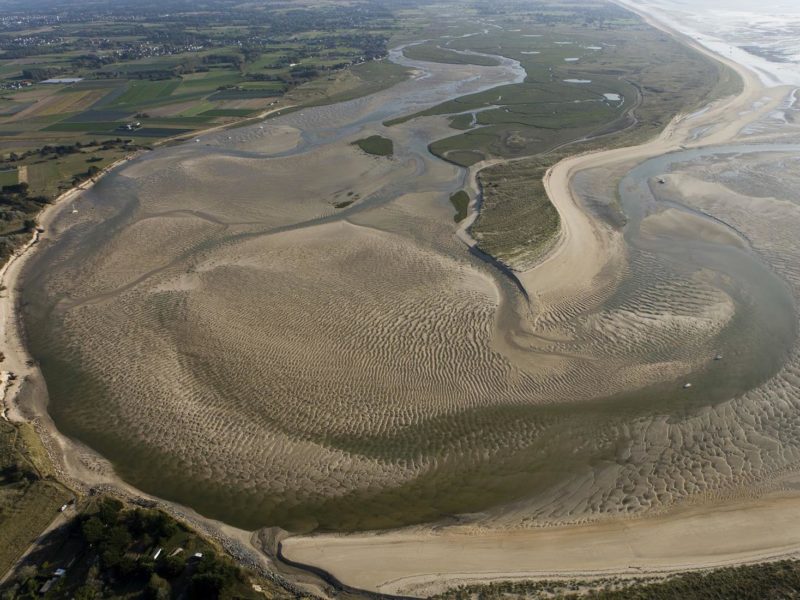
[[426, 562]]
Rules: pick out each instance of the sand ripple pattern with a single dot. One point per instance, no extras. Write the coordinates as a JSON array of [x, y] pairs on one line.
[[231, 340]]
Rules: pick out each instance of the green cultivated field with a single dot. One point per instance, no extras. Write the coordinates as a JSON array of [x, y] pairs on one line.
[[140, 93], [9, 177]]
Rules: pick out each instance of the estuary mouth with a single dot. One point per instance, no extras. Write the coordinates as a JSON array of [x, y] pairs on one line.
[[345, 371], [399, 299]]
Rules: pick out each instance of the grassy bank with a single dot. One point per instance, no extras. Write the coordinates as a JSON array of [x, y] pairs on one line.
[[460, 201], [376, 145], [517, 223], [581, 79], [355, 82], [30, 497], [751, 582], [435, 53]]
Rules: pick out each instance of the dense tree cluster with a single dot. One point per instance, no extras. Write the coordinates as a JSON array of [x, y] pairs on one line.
[[118, 557]]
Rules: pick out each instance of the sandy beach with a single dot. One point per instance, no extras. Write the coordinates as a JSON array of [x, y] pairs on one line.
[[425, 562]]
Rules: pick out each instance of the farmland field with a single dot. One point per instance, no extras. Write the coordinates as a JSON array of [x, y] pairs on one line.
[[8, 177], [144, 92]]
